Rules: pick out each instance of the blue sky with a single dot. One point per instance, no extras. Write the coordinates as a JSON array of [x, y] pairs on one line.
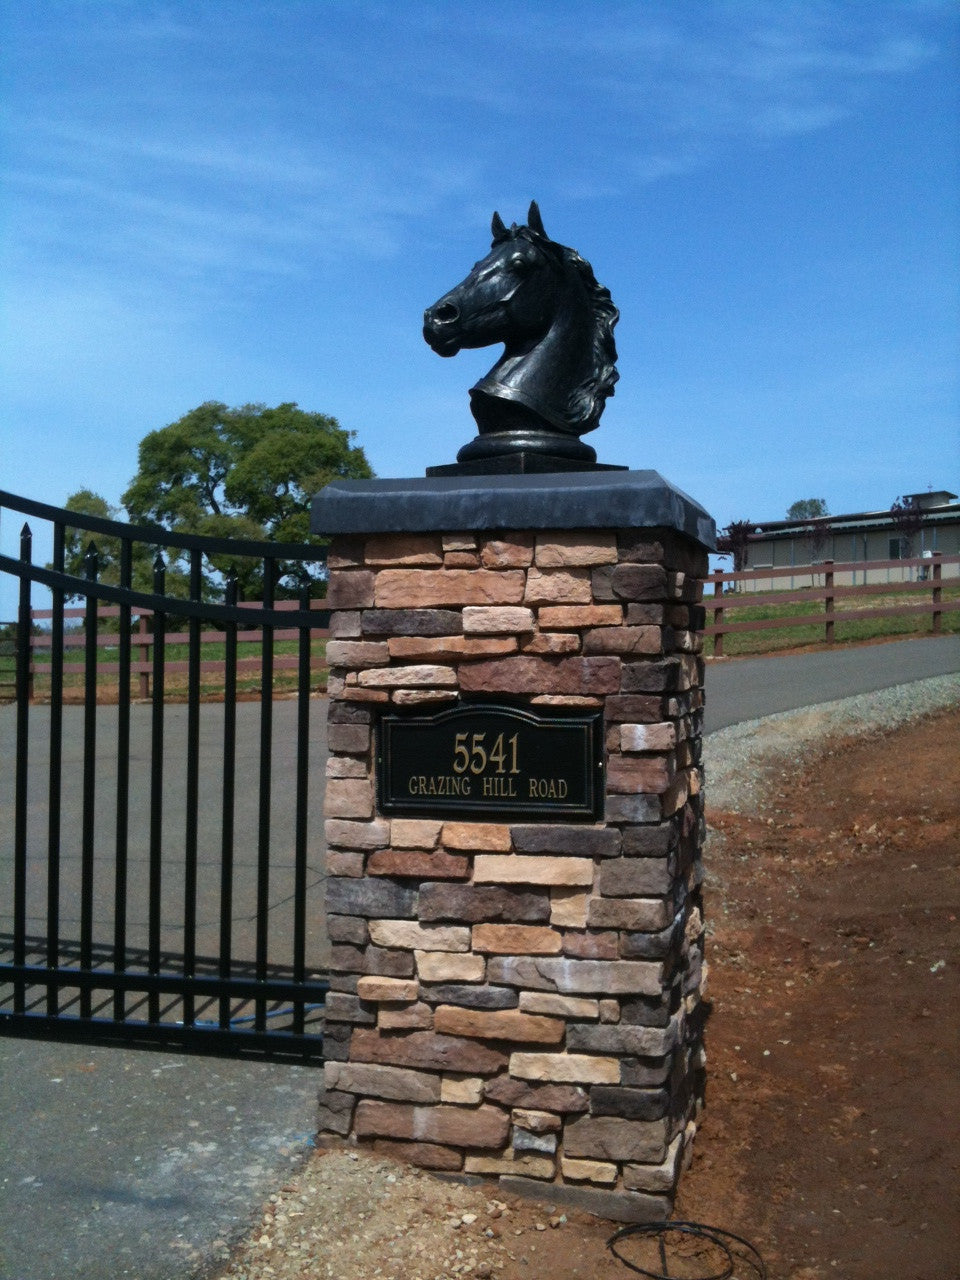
[[254, 201]]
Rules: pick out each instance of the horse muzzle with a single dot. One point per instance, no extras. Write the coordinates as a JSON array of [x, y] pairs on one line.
[[441, 327]]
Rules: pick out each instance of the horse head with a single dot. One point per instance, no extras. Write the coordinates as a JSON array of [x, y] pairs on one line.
[[542, 302], [510, 296]]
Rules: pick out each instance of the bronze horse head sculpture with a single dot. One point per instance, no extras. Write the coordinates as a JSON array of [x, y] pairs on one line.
[[542, 301]]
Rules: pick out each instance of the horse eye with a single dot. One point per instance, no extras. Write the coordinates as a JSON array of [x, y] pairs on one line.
[[519, 263]]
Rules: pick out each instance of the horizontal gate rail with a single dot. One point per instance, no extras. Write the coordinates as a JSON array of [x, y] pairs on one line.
[[154, 858]]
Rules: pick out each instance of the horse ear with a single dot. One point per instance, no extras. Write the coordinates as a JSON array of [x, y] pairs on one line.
[[498, 227], [534, 221]]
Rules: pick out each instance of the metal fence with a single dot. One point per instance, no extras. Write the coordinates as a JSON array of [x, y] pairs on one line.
[[154, 893]]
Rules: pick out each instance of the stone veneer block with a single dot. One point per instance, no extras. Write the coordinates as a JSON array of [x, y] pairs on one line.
[[356, 835], [520, 1000], [417, 864], [498, 1024], [651, 775], [449, 648], [553, 585], [422, 1155], [392, 1083], [575, 548], [558, 1006], [463, 1091], [516, 939], [611, 1138], [399, 588], [476, 903], [569, 907], [411, 936], [486, 836], [569, 1068], [444, 966], [648, 737], [427, 1051], [433, 676], [348, 798], [389, 549], [405, 1017], [516, 868], [565, 617], [512, 551], [532, 674], [588, 842], [357, 653], [526, 1165], [574, 977], [414, 833], [485, 1126], [350, 589], [555, 642], [589, 1171], [515, 620], [372, 987]]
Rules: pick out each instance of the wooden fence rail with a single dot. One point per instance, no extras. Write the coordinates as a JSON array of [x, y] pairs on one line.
[[141, 639], [929, 586]]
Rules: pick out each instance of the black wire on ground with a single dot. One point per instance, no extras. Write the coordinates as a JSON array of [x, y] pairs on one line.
[[725, 1241]]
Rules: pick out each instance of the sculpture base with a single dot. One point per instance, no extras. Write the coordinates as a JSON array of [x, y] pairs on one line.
[[520, 462]]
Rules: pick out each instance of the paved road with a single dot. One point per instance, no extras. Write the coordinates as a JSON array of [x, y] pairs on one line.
[[118, 1163], [750, 688]]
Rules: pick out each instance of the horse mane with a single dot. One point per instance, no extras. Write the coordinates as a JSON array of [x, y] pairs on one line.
[[587, 399]]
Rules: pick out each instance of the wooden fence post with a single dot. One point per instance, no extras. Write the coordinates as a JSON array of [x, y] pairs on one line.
[[143, 644], [937, 594], [718, 613], [828, 599], [31, 658]]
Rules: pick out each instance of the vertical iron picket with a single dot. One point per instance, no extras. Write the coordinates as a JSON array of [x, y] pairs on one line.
[[55, 776], [24, 623], [229, 797], [88, 826], [266, 765], [300, 839], [123, 781], [155, 875], [192, 807]]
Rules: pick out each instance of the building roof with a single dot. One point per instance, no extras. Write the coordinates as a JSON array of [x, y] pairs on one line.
[[937, 506], [932, 498]]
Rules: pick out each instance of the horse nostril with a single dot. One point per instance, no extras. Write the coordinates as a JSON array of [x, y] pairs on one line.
[[445, 313]]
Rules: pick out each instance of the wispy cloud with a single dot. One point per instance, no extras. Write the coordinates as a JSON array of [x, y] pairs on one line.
[[373, 115], [683, 81]]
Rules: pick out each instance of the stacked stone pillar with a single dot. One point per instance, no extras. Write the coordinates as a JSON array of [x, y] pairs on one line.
[[515, 999]]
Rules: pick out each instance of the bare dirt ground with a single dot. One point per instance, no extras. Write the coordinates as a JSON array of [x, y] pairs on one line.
[[830, 1136]]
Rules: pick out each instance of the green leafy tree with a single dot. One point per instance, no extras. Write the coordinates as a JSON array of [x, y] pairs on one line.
[[77, 542], [807, 509], [248, 472]]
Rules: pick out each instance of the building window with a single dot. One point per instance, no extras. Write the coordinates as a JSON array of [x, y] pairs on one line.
[[896, 549]]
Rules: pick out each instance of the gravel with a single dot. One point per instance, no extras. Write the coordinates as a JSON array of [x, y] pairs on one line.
[[739, 761]]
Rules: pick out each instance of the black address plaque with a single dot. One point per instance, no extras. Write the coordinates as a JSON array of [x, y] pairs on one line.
[[491, 762]]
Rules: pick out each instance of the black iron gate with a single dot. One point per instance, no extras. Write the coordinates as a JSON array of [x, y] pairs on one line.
[[160, 871]]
